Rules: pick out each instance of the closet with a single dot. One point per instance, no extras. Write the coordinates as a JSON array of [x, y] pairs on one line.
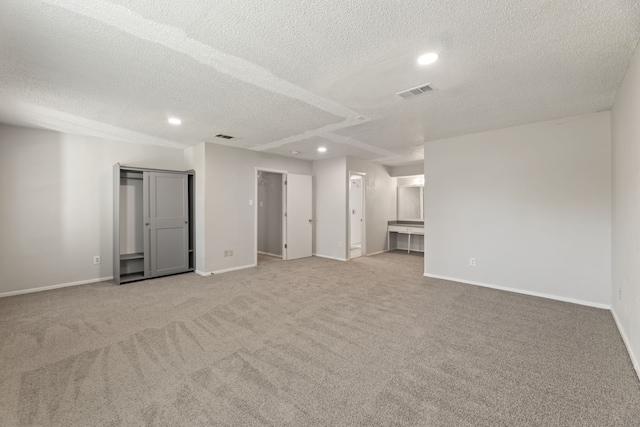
[[153, 223]]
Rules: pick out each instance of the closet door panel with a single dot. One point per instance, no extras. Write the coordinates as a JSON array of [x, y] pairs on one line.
[[169, 252], [170, 196], [169, 223]]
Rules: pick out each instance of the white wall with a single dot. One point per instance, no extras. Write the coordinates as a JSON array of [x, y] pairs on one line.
[[331, 189], [230, 184], [531, 203], [380, 201], [625, 127], [407, 170], [56, 204], [411, 180], [330, 183]]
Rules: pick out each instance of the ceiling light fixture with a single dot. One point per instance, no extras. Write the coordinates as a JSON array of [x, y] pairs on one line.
[[174, 121], [295, 153], [428, 58], [322, 149]]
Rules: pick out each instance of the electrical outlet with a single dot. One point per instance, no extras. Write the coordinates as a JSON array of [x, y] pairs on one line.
[[230, 252], [339, 244], [472, 262], [96, 259], [619, 293], [226, 253]]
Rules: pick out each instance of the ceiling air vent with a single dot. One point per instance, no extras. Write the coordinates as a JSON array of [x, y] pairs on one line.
[[220, 135], [416, 91]]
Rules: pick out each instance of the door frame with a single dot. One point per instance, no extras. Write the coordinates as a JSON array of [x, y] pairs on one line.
[[282, 211], [364, 214]]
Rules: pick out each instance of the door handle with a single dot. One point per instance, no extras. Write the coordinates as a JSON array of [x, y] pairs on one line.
[[146, 223], [310, 220], [186, 222]]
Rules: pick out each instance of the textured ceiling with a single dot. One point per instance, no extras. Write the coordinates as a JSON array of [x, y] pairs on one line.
[[293, 75]]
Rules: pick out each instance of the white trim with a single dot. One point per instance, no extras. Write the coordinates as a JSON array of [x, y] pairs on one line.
[[520, 291], [377, 253], [634, 360], [330, 257], [203, 273], [226, 270], [270, 254], [48, 288]]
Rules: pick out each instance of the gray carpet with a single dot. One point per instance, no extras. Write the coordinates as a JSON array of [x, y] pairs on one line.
[[368, 342], [262, 259]]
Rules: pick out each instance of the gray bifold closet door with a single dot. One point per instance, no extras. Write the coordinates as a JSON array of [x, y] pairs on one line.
[[166, 213]]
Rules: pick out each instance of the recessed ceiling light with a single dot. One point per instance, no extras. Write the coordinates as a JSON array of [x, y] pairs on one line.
[[174, 121], [322, 149], [295, 153], [428, 58]]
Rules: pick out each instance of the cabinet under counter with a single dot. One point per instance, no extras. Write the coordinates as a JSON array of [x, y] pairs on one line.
[[405, 235]]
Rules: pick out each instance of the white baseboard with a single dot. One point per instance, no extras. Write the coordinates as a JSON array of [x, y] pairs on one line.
[[203, 273], [48, 288], [270, 254], [376, 253], [330, 257], [520, 291], [226, 270], [627, 344]]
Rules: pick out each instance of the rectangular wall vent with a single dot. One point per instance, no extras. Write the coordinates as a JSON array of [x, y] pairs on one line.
[[220, 135], [416, 91]]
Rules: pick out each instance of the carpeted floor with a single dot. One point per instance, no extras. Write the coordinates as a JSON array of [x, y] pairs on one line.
[[368, 342], [262, 259]]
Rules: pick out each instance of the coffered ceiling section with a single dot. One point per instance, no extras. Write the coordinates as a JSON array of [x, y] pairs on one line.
[[294, 75]]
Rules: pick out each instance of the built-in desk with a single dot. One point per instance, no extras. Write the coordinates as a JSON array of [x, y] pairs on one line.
[[407, 236]]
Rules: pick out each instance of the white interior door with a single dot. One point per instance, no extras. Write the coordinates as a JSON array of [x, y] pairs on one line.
[[299, 219]]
